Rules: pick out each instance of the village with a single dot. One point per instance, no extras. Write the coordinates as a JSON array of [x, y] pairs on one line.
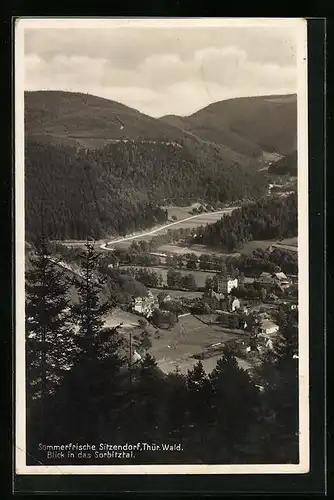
[[180, 326], [183, 302]]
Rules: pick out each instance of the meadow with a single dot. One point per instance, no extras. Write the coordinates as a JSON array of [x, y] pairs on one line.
[[174, 348], [200, 276]]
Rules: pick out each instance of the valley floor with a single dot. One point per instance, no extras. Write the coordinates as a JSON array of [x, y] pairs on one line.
[[191, 221], [173, 348]]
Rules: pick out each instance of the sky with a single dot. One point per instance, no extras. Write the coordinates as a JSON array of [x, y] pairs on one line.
[[161, 70]]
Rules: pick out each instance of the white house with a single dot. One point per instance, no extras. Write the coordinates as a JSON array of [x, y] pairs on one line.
[[225, 284], [145, 305], [235, 304]]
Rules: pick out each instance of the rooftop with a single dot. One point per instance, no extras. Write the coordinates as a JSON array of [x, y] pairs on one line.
[[268, 324], [281, 276]]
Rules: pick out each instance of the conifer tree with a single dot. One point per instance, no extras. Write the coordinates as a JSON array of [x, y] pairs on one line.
[[235, 400], [200, 416], [50, 347], [148, 402], [49, 334], [278, 413], [176, 407], [199, 395], [88, 312], [92, 388]]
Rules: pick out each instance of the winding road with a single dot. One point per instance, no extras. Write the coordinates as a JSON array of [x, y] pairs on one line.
[[104, 246]]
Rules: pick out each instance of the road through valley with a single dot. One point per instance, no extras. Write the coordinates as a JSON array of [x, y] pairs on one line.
[[142, 234]]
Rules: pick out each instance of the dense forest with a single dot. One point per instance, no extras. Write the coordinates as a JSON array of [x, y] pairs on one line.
[[83, 386], [248, 125], [74, 193], [270, 218], [265, 261], [73, 197]]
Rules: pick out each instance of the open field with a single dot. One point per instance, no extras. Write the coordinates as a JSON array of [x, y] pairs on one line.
[[177, 293], [78, 243], [191, 221], [288, 244], [250, 246], [118, 316], [183, 365], [200, 276], [196, 249], [290, 241], [185, 212], [174, 348], [180, 212], [291, 248]]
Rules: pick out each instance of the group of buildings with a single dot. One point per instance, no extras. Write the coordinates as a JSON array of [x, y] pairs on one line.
[[145, 305], [222, 287], [275, 279], [226, 283], [226, 302]]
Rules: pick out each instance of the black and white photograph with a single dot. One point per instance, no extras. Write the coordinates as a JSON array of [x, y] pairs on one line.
[[161, 246]]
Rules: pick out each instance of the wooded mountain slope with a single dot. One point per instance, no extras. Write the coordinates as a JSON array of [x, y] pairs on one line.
[[119, 188], [83, 120], [264, 220], [97, 167], [82, 116], [248, 125], [240, 128]]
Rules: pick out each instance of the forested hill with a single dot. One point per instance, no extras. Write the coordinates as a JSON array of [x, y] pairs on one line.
[[240, 129], [90, 122], [72, 117], [248, 125], [119, 188], [98, 167], [266, 219]]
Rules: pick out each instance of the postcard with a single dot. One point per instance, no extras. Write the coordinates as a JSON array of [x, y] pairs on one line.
[[161, 246]]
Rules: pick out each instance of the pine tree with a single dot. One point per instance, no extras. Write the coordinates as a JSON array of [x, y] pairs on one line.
[[200, 411], [148, 402], [234, 404], [49, 334], [144, 342], [93, 387], [176, 408], [88, 312], [199, 395], [50, 348], [278, 414]]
